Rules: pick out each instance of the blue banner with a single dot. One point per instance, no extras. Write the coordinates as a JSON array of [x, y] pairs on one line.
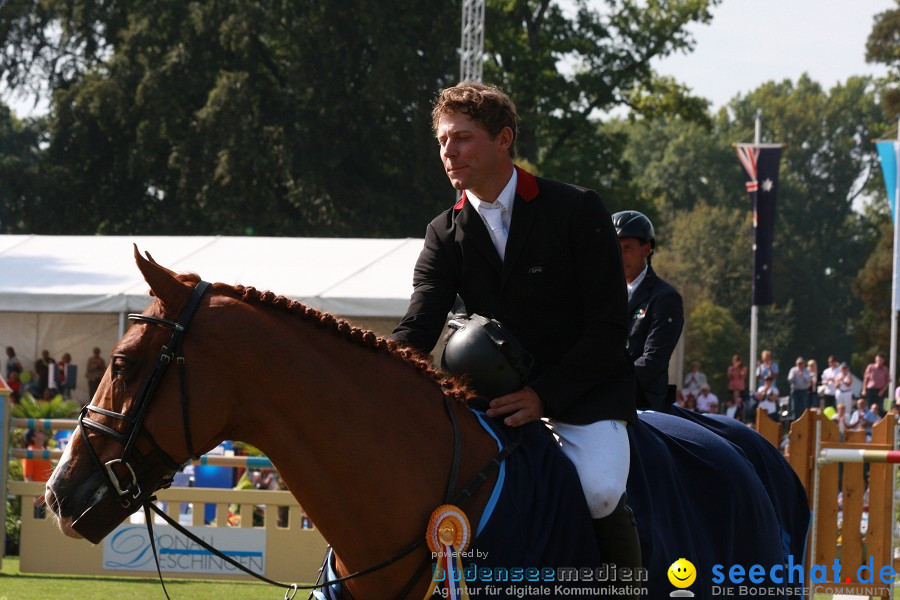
[[888, 151]]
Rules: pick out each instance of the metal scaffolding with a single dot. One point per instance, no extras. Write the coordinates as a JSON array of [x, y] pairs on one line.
[[471, 57]]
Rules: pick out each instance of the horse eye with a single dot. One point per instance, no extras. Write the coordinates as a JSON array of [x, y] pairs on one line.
[[119, 366]]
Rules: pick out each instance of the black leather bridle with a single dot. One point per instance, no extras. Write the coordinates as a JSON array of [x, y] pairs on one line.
[[128, 489]]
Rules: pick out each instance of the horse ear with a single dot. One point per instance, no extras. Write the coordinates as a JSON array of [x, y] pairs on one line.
[[164, 284]]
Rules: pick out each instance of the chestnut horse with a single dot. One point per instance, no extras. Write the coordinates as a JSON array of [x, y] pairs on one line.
[[363, 434]]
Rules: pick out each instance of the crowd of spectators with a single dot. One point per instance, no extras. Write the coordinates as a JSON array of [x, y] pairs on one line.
[[850, 402], [48, 377]]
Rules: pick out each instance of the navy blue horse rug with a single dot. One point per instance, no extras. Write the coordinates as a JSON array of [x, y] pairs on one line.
[[694, 494]]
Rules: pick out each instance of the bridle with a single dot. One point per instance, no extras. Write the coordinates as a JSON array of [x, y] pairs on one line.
[[131, 496], [129, 490]]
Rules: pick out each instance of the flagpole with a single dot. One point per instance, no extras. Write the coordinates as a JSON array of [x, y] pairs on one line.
[[895, 212], [754, 309]]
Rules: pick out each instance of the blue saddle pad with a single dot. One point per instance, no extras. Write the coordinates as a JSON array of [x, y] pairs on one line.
[[696, 496]]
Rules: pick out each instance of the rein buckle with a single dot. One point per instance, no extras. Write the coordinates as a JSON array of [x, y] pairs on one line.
[[114, 478]]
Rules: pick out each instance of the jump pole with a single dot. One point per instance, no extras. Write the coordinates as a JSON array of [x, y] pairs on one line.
[[825, 456]]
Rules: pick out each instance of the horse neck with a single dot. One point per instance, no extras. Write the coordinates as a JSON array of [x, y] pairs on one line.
[[361, 438]]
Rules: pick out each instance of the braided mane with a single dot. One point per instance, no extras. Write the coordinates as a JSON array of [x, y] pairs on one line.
[[450, 386]]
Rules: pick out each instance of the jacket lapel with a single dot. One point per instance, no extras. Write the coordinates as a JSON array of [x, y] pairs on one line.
[[472, 228], [524, 214], [642, 293]]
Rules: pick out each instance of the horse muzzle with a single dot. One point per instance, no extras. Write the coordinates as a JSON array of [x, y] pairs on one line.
[[99, 519]]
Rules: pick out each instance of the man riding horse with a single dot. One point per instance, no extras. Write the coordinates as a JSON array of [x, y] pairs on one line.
[[541, 257]]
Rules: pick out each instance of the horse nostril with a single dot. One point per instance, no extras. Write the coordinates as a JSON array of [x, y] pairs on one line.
[[50, 500]]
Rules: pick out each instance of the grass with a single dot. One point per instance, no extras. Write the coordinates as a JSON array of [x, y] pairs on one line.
[[15, 585]]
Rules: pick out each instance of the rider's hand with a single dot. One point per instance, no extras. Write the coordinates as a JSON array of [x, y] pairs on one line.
[[522, 407]]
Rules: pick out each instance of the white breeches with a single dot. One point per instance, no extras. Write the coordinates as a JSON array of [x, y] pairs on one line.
[[601, 455]]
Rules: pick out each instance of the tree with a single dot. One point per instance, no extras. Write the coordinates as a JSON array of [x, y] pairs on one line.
[[883, 46], [563, 71], [285, 118], [873, 286], [712, 338], [821, 242], [691, 176], [19, 165], [310, 118]]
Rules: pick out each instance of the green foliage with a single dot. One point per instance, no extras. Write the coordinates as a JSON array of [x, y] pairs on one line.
[[692, 177], [563, 70], [55, 408], [883, 46], [307, 118], [712, 338], [873, 287], [14, 507], [18, 170]]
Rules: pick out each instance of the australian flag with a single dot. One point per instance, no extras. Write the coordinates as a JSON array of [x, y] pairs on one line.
[[760, 163]]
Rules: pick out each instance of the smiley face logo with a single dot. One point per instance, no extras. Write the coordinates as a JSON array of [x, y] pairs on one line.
[[682, 573]]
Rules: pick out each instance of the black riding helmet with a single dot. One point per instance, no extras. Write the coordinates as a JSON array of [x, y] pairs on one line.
[[485, 353], [634, 224]]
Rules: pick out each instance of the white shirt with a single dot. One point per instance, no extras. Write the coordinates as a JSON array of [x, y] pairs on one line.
[[706, 402], [506, 199], [829, 375], [767, 405], [637, 281]]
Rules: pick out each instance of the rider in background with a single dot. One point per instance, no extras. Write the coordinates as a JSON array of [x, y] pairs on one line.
[[655, 311], [541, 257]]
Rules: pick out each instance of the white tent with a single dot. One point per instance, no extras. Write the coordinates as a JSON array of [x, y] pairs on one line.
[[71, 293]]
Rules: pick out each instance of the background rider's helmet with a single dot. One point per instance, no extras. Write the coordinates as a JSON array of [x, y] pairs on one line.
[[487, 355], [634, 224]]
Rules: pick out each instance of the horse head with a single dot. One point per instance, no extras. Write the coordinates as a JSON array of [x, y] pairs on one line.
[[131, 440]]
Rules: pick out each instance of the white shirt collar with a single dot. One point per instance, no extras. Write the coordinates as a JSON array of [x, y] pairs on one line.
[[504, 201], [637, 281]]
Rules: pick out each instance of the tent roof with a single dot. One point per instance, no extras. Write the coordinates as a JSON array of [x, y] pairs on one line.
[[97, 274]]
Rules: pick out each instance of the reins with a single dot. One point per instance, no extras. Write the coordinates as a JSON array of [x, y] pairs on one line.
[[482, 476], [132, 492]]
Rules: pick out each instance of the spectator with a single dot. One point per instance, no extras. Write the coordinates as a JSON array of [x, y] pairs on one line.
[[690, 402], [37, 469], [737, 377], [799, 380], [766, 366], [769, 403], [734, 406], [843, 382], [96, 367], [876, 411], [15, 384], [694, 380], [862, 419], [13, 364], [707, 402], [840, 418], [829, 381], [812, 368], [767, 389], [65, 375], [876, 379], [42, 368]]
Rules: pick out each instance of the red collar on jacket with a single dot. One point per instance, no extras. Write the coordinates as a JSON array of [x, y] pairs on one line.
[[526, 186]]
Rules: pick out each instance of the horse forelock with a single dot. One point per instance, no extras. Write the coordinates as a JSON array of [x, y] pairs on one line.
[[450, 386]]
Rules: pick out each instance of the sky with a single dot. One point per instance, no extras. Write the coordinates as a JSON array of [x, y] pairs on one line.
[[750, 42]]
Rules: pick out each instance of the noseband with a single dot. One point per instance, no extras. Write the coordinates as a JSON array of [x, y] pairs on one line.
[[128, 489]]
